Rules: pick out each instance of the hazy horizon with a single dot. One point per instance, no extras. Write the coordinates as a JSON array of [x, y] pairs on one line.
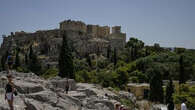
[[167, 22]]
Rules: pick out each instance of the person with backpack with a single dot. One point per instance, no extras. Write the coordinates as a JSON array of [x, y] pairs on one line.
[[9, 62], [10, 91]]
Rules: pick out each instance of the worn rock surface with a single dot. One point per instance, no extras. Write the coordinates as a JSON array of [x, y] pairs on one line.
[[35, 93]]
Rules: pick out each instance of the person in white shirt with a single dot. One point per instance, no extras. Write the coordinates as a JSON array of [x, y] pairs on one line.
[[183, 106]]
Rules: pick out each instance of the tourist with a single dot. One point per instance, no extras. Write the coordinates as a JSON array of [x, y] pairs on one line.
[[10, 92], [171, 105], [183, 105], [67, 86], [117, 106], [9, 62], [122, 107]]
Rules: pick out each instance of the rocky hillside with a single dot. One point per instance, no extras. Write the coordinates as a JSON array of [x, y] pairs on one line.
[[36, 93]]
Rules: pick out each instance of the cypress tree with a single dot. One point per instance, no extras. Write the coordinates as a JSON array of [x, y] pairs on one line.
[[3, 60], [156, 89], [89, 60], [115, 56], [66, 67], [26, 59], [169, 92], [132, 54], [34, 64], [108, 51], [17, 60], [31, 52], [182, 78]]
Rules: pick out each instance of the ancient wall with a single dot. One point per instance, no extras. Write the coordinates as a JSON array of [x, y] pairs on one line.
[[73, 25], [116, 29], [92, 30], [117, 40], [103, 31], [47, 42], [98, 31]]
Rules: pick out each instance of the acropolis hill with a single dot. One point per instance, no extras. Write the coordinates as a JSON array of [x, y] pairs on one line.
[[85, 39]]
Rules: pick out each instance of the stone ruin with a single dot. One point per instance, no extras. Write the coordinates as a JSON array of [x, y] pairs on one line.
[[85, 39]]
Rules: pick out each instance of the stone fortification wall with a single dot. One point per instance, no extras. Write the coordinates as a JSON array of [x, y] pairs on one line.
[[116, 29], [73, 25], [117, 40], [84, 38], [98, 31]]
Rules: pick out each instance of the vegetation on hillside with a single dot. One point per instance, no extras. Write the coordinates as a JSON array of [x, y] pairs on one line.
[[136, 63]]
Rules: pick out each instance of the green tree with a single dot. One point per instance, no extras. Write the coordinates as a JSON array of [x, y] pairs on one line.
[[115, 56], [31, 53], [193, 71], [108, 51], [26, 59], [17, 59], [169, 92], [34, 64], [66, 66], [108, 78], [89, 60], [156, 89], [3, 60], [182, 78], [134, 46], [123, 76], [141, 77], [83, 76]]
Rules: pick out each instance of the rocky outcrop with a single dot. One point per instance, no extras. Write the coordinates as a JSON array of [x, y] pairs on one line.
[[159, 107], [35, 93]]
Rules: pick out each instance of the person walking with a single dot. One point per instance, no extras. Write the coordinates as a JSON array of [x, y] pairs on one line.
[[171, 105], [67, 86], [9, 62], [117, 106], [10, 91], [183, 106]]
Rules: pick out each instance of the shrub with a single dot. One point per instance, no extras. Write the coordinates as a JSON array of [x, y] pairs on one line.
[[134, 79], [107, 78], [83, 76], [123, 76], [185, 92], [141, 78], [22, 69], [52, 72]]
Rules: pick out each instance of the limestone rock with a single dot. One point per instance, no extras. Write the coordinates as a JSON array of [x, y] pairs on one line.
[[35, 93], [158, 107], [3, 107], [61, 83], [128, 96], [27, 87]]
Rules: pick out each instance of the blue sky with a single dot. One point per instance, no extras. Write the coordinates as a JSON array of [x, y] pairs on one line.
[[168, 22]]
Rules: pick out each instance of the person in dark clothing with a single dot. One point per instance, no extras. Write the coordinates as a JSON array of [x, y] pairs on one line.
[[9, 62], [9, 92], [67, 86], [171, 105]]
